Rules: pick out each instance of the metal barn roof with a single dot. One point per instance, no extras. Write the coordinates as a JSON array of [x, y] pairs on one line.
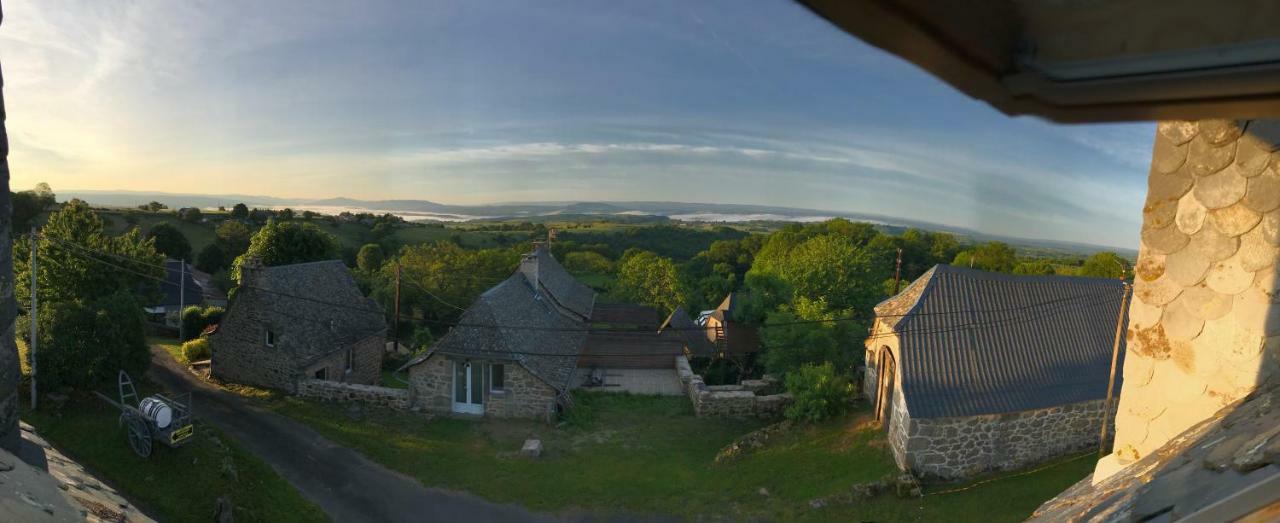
[[975, 342]]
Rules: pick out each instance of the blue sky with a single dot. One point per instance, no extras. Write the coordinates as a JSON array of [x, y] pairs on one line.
[[477, 102]]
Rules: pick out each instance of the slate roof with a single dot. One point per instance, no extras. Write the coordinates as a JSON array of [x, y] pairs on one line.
[[637, 350], [299, 299], [511, 321], [552, 278], [173, 290], [1221, 469], [678, 325], [625, 314], [975, 342]]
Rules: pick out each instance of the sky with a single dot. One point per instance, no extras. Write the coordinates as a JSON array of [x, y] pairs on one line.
[[755, 102]]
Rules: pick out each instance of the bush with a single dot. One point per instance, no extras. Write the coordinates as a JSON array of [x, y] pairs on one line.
[[819, 393], [196, 350], [195, 318], [84, 344]]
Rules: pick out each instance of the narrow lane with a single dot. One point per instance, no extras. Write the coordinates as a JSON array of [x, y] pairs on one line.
[[346, 485]]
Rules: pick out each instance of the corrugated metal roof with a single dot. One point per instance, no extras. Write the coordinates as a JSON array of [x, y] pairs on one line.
[[978, 342]]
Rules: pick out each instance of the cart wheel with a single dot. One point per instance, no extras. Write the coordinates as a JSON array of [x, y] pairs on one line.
[[139, 435]]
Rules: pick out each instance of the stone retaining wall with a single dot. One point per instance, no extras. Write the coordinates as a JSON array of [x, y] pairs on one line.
[[731, 401], [354, 393]]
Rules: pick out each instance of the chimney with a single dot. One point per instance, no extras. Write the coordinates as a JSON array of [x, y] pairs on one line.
[[250, 268]]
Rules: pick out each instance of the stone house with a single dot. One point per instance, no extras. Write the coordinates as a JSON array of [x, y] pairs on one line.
[[973, 372], [289, 323], [514, 351]]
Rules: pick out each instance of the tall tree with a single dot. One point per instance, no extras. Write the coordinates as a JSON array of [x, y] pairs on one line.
[[70, 242], [211, 259], [1105, 264], [170, 241], [233, 238], [240, 211], [990, 256], [370, 258], [285, 243], [649, 279]]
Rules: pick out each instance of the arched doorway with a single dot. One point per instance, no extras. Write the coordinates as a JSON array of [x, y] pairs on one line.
[[886, 373]]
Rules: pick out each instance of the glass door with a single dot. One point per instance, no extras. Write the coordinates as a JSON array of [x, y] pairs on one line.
[[467, 391]]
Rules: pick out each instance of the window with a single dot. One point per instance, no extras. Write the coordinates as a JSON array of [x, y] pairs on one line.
[[351, 360], [271, 338], [496, 380], [322, 374]]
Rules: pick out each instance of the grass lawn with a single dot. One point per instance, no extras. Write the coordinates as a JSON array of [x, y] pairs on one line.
[[636, 454], [169, 345], [389, 380], [180, 484]]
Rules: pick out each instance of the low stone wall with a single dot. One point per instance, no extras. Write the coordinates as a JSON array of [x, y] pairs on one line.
[[353, 393], [957, 448], [731, 401]]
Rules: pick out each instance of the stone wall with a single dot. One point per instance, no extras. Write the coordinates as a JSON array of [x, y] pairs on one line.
[[1204, 326], [523, 394], [958, 448], [240, 355], [9, 368], [899, 429], [731, 401], [354, 393], [367, 368]]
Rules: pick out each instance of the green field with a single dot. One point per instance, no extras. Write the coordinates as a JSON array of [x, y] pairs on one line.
[[650, 455]]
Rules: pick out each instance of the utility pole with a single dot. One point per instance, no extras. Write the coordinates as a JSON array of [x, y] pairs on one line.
[[897, 273], [1115, 358], [182, 298], [395, 329], [34, 341]]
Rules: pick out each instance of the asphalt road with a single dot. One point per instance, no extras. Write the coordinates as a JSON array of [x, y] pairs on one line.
[[346, 485]]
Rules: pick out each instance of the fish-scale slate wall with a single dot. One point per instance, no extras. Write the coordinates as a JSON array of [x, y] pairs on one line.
[[1204, 325]]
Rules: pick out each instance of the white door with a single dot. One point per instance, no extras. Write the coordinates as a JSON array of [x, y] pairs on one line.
[[467, 393]]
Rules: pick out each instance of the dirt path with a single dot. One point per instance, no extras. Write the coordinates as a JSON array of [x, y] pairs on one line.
[[346, 485]]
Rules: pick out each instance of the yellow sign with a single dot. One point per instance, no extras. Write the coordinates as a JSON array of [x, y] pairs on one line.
[[181, 434]]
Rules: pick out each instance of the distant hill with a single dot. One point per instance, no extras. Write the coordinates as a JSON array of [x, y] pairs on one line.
[[637, 211]]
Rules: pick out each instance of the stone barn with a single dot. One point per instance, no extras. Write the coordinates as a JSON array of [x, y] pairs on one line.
[[294, 322], [974, 372]]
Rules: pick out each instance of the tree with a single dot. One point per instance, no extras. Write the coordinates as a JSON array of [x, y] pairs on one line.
[[649, 279], [170, 241], [78, 261], [211, 258], [587, 262], [240, 211], [1037, 267], [153, 207], [285, 243], [826, 266], [990, 256], [370, 258], [285, 214], [85, 342], [803, 334], [27, 205], [190, 214], [233, 238], [1105, 264]]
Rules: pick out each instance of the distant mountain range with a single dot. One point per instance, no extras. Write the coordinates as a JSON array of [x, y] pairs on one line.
[[422, 210]]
